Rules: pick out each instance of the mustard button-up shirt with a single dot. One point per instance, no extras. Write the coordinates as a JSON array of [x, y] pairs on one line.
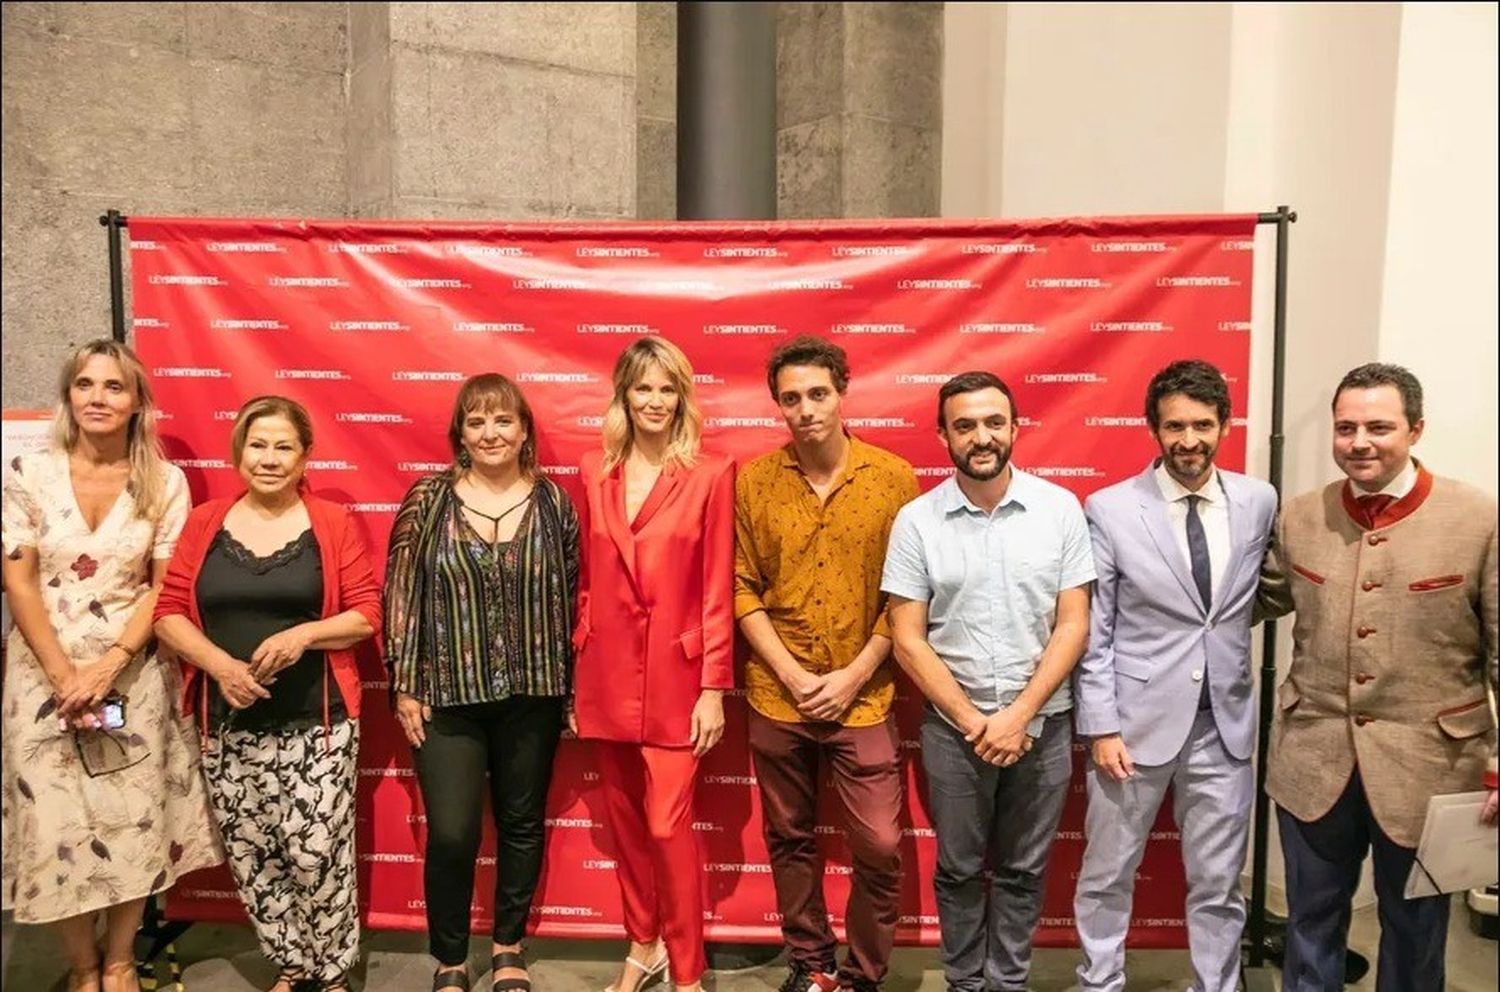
[[815, 566]]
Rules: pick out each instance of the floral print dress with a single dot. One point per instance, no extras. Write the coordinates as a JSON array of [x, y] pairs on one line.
[[93, 820]]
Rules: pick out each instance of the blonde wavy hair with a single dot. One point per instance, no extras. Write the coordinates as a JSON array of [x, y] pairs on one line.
[[687, 424], [142, 446]]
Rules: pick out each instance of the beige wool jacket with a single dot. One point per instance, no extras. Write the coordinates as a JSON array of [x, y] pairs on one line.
[[1394, 640]]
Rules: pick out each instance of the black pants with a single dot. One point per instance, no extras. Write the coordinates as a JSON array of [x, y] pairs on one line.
[[1323, 863], [513, 740]]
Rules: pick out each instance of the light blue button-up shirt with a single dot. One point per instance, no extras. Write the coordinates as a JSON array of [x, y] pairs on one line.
[[991, 580]]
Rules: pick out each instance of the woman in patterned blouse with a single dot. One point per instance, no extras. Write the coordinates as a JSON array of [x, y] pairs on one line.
[[480, 581]]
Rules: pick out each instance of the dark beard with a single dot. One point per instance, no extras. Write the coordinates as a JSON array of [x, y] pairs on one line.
[[1002, 460], [1207, 456]]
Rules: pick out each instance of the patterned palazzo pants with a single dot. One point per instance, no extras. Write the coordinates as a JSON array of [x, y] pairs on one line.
[[284, 802]]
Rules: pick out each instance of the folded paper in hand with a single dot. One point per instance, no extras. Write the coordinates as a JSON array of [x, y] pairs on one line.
[[1457, 851]]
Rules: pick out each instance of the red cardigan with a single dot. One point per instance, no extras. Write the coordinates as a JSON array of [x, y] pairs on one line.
[[342, 552]]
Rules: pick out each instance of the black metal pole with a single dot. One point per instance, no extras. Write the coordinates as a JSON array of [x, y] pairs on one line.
[[155, 934], [726, 111], [1282, 218], [114, 222]]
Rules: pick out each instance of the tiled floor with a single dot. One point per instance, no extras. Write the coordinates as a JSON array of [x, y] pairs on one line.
[[224, 959]]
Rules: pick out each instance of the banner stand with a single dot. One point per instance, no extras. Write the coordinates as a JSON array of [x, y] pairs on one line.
[[1264, 939], [114, 222]]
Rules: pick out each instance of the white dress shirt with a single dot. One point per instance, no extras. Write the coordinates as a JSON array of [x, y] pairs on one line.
[[1213, 511]]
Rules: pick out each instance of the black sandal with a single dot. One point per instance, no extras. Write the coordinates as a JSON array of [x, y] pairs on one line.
[[509, 959], [339, 984], [298, 980], [451, 980]]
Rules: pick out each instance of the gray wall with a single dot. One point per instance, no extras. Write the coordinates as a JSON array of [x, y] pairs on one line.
[[510, 110], [165, 108], [506, 111], [859, 95], [656, 111]]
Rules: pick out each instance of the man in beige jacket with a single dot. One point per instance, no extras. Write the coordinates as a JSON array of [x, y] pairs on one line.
[[1392, 572]]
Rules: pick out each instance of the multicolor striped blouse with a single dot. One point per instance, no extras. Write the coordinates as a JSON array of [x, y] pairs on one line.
[[470, 622]]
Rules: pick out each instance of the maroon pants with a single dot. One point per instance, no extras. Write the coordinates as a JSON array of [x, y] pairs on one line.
[[865, 772]]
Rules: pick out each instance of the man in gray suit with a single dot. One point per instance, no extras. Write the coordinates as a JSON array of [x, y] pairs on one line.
[[1165, 689]]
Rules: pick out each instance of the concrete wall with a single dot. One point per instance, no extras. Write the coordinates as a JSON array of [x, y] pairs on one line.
[[369, 168], [495, 111], [859, 107], [504, 111], [166, 108], [512, 110], [656, 111]]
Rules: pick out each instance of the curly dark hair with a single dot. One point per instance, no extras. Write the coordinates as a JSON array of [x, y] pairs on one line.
[[1195, 379], [809, 350]]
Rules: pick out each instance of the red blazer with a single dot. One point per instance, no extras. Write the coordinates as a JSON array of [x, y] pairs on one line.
[[341, 551], [655, 602]]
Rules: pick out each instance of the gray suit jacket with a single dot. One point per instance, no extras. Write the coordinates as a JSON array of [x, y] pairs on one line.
[[1150, 642]]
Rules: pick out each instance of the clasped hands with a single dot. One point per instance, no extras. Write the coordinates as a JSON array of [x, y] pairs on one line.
[[77, 695], [824, 697], [1000, 738], [242, 683]]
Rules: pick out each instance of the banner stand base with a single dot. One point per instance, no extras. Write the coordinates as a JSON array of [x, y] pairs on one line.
[[1273, 953], [157, 932], [741, 957], [1262, 979]]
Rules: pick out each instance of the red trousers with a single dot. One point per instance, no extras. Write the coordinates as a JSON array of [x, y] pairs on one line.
[[648, 798]]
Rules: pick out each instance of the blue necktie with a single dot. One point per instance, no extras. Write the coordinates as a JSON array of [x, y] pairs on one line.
[[1198, 554]]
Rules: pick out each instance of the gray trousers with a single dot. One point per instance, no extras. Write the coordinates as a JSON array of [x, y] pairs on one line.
[[1003, 818], [1212, 794]]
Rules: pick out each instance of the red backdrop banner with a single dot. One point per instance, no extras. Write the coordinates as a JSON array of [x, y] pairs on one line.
[[374, 325]]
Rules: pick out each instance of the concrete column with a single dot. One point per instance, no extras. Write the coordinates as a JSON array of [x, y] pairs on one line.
[[726, 111]]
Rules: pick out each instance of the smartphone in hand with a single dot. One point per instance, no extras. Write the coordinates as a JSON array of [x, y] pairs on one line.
[[112, 713]]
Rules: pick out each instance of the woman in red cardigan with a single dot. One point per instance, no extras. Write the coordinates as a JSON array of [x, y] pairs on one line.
[[653, 641], [267, 593]]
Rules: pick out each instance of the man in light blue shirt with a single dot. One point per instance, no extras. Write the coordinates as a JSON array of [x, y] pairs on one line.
[[989, 581]]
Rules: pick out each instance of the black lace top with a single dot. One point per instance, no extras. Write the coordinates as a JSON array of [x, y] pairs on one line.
[[244, 598]]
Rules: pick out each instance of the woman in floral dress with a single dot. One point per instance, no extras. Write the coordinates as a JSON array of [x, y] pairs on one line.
[[95, 817]]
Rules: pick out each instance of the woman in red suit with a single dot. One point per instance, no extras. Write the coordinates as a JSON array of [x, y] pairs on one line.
[[653, 640]]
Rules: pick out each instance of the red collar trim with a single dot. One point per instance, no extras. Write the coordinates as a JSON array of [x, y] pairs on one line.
[[1399, 510]]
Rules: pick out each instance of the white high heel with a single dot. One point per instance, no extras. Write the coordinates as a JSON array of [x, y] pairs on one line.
[[649, 972]]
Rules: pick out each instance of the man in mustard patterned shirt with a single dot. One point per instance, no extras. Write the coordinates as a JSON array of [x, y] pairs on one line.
[[811, 523]]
